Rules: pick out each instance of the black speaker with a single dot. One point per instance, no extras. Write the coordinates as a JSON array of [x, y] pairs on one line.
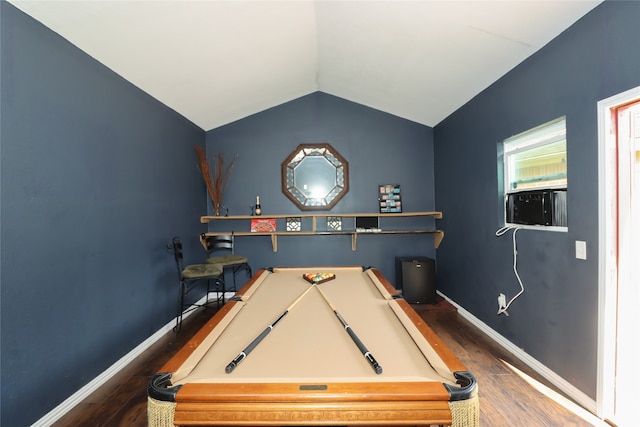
[[416, 277]]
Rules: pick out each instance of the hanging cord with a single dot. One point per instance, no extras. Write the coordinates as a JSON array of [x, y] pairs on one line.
[[500, 232]]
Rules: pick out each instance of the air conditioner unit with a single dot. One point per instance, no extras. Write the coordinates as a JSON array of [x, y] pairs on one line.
[[538, 207]]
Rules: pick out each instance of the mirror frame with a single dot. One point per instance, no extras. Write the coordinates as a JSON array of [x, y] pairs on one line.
[[293, 160]]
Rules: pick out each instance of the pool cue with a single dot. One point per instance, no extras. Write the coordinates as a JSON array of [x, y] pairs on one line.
[[244, 353], [366, 353]]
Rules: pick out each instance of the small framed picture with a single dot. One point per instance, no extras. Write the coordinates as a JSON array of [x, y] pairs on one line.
[[294, 224], [389, 199], [334, 223], [263, 225]]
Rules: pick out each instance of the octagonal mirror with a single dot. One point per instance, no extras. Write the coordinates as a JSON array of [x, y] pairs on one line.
[[315, 176]]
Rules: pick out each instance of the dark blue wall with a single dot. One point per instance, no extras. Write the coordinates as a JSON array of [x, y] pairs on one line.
[[96, 177], [555, 320], [380, 148]]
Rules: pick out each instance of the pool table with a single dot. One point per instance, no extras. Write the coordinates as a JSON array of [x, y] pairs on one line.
[[286, 350]]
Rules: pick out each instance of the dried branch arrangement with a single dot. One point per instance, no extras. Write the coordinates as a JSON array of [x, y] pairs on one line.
[[216, 181]]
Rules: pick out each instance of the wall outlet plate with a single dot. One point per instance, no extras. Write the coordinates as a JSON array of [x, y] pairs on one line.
[[502, 301], [581, 249]]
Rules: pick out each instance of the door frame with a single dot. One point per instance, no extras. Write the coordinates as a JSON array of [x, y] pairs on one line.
[[607, 241]]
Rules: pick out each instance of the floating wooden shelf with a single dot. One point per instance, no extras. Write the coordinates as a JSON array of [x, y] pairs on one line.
[[437, 239]]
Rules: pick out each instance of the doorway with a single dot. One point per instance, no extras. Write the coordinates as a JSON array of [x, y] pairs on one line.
[[619, 236]]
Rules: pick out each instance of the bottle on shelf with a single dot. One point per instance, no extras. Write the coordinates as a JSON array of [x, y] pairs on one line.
[[258, 208]]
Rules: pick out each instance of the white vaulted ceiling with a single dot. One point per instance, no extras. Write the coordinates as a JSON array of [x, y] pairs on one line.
[[218, 61]]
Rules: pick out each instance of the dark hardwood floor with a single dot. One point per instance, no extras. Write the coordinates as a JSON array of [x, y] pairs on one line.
[[505, 398]]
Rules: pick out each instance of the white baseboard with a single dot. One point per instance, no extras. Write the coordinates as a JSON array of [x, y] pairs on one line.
[[555, 379], [70, 403]]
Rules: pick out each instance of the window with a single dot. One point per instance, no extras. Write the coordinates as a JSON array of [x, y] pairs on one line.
[[535, 176], [536, 159]]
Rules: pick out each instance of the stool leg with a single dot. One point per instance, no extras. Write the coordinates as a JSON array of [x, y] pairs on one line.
[[206, 301], [234, 270], [221, 284], [182, 290]]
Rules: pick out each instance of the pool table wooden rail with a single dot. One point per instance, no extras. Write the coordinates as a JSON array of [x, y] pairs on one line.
[[329, 414]]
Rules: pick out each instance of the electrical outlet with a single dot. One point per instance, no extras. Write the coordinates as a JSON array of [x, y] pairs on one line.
[[581, 249], [502, 301]]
